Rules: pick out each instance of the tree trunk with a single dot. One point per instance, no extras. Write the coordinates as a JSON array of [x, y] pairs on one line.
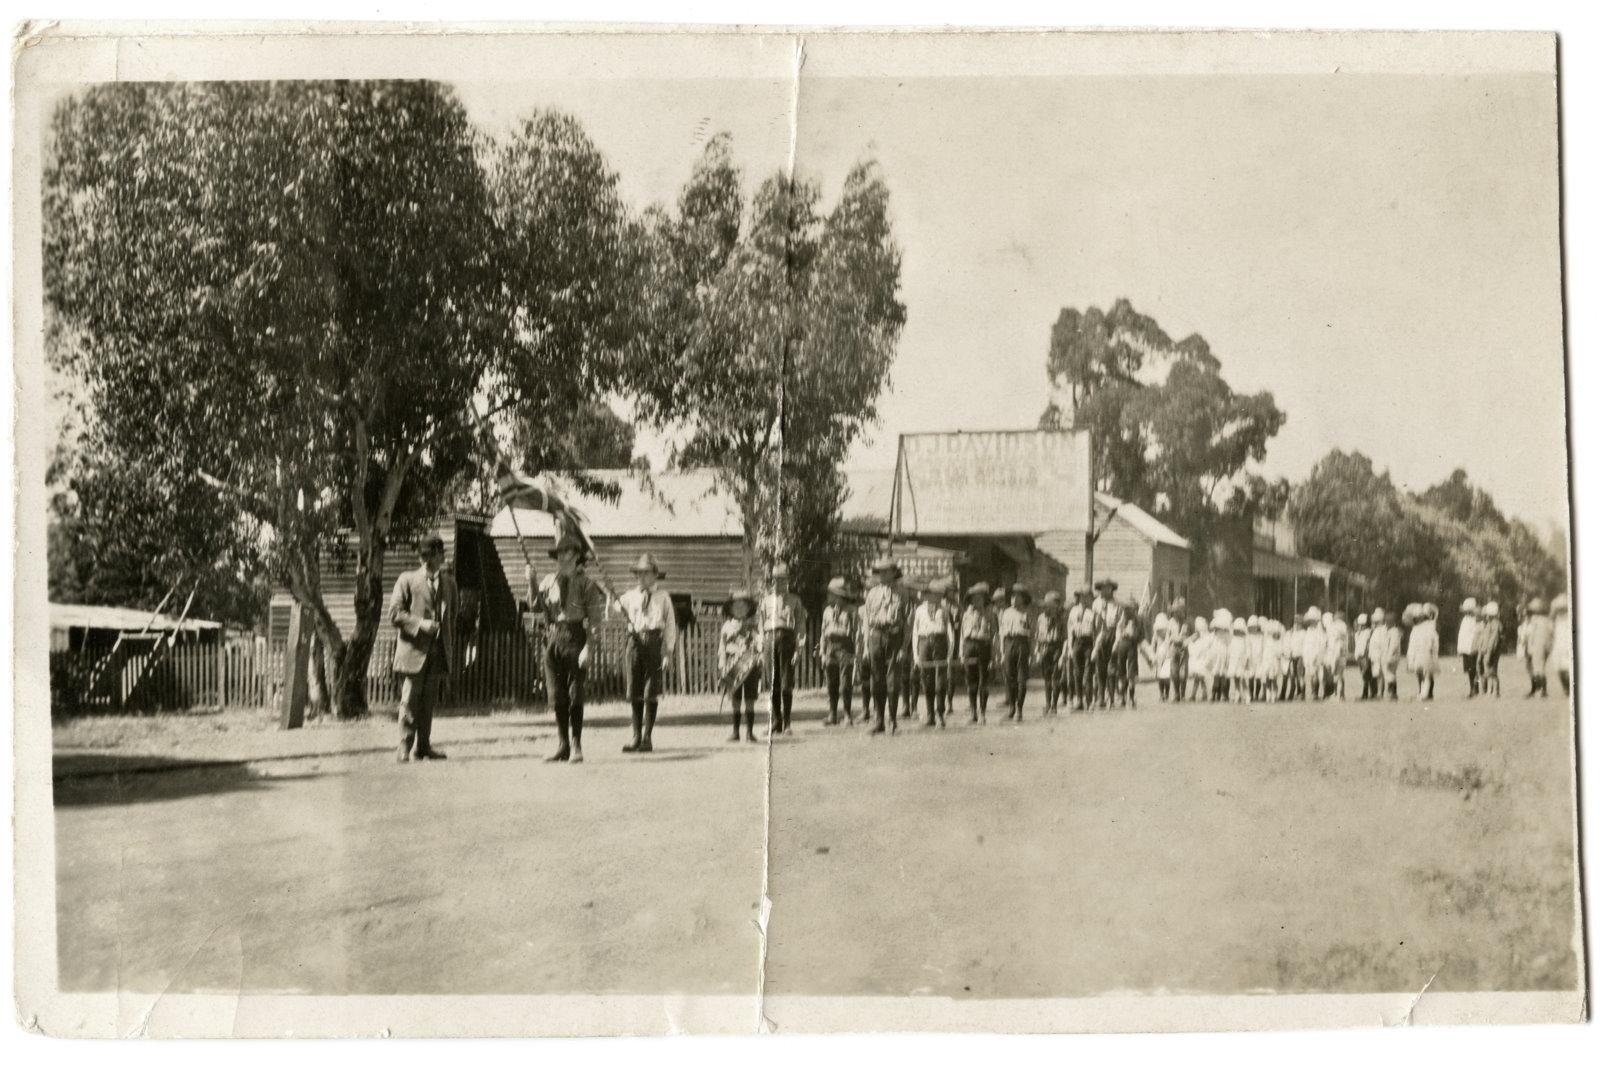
[[369, 602]]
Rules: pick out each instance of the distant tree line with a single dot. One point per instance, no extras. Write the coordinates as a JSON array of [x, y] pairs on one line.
[[1171, 435]]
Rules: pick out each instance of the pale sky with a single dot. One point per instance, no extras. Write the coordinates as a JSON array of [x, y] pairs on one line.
[[1379, 251]]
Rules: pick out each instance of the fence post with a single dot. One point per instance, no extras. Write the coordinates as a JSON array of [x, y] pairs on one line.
[[296, 662], [222, 674]]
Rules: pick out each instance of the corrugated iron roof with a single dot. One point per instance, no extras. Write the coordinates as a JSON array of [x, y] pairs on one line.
[[679, 504], [1141, 520], [99, 617]]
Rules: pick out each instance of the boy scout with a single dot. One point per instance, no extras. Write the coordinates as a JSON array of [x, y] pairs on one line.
[[1081, 628], [836, 648], [1016, 637], [652, 638], [1047, 638], [933, 635], [888, 641], [978, 624], [781, 616], [573, 606]]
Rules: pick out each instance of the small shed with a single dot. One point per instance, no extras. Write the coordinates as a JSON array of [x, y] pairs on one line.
[[94, 628]]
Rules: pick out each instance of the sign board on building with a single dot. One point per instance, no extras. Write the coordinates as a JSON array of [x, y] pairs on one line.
[[1001, 482]]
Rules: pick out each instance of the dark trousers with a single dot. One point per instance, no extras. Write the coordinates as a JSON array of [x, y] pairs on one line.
[[563, 680], [887, 669], [1180, 672], [1469, 664], [1016, 666], [838, 668], [419, 693], [642, 670], [1049, 667], [744, 694], [1082, 669], [780, 671], [976, 655]]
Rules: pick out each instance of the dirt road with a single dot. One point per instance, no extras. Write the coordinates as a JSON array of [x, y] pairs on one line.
[[1204, 848]]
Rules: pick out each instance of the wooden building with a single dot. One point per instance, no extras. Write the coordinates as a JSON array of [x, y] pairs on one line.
[[487, 602], [691, 527]]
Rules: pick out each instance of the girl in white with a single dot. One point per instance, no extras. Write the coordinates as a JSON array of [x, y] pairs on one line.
[[1160, 649], [1221, 642], [1240, 671], [1267, 666], [1422, 654], [1200, 660]]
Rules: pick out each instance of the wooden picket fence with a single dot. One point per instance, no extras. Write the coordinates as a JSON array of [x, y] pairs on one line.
[[497, 670]]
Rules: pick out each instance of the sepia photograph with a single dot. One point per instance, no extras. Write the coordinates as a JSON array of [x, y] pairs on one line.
[[559, 531]]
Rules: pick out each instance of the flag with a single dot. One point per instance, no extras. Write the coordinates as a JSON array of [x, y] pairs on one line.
[[520, 490]]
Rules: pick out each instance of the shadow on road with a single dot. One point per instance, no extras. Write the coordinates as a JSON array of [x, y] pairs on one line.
[[88, 780]]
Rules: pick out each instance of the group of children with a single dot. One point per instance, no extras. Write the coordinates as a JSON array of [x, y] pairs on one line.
[[923, 642]]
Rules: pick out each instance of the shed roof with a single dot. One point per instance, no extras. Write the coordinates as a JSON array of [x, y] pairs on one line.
[[1140, 519], [677, 504], [100, 617]]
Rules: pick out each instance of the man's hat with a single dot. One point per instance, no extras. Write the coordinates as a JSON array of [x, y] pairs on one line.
[[572, 541], [737, 594], [780, 570], [839, 587], [1021, 590], [1052, 597], [647, 562], [886, 563], [427, 546], [981, 589], [1111, 585], [940, 586], [935, 588], [1492, 610], [999, 594]]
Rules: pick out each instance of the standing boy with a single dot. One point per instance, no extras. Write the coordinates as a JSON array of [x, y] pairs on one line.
[[652, 639], [1047, 638], [1016, 632], [573, 606], [782, 617], [978, 625], [836, 648], [1466, 644], [932, 635], [888, 636]]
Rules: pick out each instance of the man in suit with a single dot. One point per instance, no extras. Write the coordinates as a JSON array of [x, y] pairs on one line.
[[423, 609]]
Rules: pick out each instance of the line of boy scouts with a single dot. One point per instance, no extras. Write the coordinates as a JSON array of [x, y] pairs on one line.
[[903, 641]]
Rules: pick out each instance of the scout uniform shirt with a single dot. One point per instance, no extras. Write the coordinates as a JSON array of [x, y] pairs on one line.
[[1047, 631], [1081, 620], [932, 620], [887, 613], [651, 611], [978, 624], [575, 599], [840, 626], [1014, 623], [739, 638], [781, 612]]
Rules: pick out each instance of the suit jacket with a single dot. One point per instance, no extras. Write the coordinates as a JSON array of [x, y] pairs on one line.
[[414, 602]]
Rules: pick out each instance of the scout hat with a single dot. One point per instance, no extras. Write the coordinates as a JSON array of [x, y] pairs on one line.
[[840, 588], [934, 589], [1052, 597], [1022, 591], [1083, 592], [647, 562], [1468, 606], [884, 564], [981, 589], [999, 596], [1492, 610], [572, 541], [941, 585]]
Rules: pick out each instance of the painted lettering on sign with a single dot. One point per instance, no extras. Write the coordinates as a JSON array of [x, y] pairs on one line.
[[1008, 482]]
